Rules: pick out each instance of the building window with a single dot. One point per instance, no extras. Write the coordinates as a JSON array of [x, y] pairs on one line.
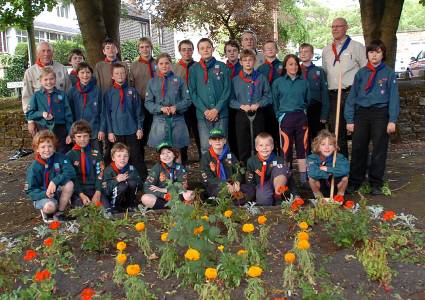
[[160, 36], [40, 36], [145, 29], [62, 11], [21, 36], [53, 36]]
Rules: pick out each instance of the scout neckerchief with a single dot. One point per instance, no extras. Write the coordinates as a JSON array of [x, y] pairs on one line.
[[233, 67], [121, 88], [306, 69], [49, 101], [119, 171], [84, 90], [74, 73], [41, 65], [264, 164], [271, 69], [206, 67], [220, 171], [372, 76], [186, 66], [84, 160], [149, 63], [171, 171], [251, 81], [164, 83], [111, 61], [344, 46], [47, 166]]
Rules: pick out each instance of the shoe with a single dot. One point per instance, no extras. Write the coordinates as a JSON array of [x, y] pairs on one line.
[[376, 191]]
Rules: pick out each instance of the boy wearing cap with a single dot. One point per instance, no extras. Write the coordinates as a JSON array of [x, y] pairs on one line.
[[155, 191], [220, 166]]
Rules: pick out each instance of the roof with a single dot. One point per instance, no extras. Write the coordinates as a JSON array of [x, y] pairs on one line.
[[55, 28], [134, 12]]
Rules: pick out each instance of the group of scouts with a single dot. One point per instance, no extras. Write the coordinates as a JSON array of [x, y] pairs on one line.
[[90, 140]]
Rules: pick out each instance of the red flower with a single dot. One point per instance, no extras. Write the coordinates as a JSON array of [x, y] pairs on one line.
[[98, 203], [339, 198], [281, 189], [54, 225], [167, 197], [30, 255], [87, 294], [48, 242], [299, 201], [294, 206], [349, 204], [42, 275], [388, 215]]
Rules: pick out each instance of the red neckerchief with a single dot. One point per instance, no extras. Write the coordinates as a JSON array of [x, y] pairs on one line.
[[78, 86], [270, 70], [204, 67], [247, 80], [263, 169], [49, 102], [371, 79], [83, 161], [110, 61], [39, 63], [215, 156], [232, 67], [74, 72], [170, 171], [147, 62], [163, 83], [186, 67], [344, 46], [118, 171], [304, 69], [46, 170], [122, 99]]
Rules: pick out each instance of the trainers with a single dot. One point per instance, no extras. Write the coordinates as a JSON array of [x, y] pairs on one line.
[[376, 191]]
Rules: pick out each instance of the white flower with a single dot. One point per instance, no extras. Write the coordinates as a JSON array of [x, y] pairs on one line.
[[376, 211], [405, 220]]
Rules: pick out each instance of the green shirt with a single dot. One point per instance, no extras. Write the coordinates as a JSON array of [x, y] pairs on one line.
[[209, 168], [159, 176]]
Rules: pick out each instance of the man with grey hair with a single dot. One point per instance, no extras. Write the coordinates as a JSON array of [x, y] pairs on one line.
[[249, 41], [31, 78], [346, 56]]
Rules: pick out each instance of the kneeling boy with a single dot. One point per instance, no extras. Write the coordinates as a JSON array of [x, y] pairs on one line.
[[49, 177], [266, 172]]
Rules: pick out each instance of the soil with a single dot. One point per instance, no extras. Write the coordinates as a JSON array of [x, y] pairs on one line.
[[337, 268]]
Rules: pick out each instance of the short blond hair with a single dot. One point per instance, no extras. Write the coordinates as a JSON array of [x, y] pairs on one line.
[[46, 71], [323, 135], [263, 136]]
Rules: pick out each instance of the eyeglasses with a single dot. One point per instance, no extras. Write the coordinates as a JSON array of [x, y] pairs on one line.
[[338, 26]]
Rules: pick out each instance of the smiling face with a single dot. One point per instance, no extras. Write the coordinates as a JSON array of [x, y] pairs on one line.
[[217, 144], [45, 53], [84, 75], [119, 75], [264, 147], [326, 148], [82, 139], [110, 51], [46, 149], [291, 67], [164, 65], [145, 50], [167, 156], [120, 158], [205, 50], [375, 57], [339, 29], [48, 81]]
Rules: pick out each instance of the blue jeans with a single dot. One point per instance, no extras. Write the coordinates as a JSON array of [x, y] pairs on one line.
[[204, 128]]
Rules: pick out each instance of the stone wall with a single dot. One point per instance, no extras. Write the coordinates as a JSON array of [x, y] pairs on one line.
[[410, 126]]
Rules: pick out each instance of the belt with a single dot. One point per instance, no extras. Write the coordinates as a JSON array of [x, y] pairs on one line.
[[347, 89]]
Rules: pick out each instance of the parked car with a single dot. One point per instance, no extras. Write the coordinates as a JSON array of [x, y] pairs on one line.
[[417, 64]]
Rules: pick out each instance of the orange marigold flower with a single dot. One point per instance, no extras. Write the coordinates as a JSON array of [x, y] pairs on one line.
[[339, 198], [303, 245], [303, 225], [228, 213], [238, 195], [87, 294], [282, 189], [167, 197], [198, 230], [242, 252], [248, 228], [54, 225], [98, 203], [164, 237], [349, 204], [289, 257], [48, 242], [133, 270], [299, 201], [140, 226], [121, 258], [262, 220], [254, 271], [210, 273], [121, 246], [388, 215], [30, 255], [303, 236], [42, 275], [192, 254]]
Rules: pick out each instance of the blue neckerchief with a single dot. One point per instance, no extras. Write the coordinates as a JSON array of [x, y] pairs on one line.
[[124, 169], [90, 85], [223, 155], [209, 64], [344, 46], [254, 77], [326, 160]]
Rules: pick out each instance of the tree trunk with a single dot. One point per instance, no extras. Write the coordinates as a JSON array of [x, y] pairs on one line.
[[31, 44], [380, 20], [97, 19]]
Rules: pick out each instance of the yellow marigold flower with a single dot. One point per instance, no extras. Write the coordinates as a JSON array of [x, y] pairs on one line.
[[289, 257], [248, 228], [303, 225], [192, 254], [140, 226], [254, 271], [242, 252], [198, 230], [221, 248], [133, 270], [303, 245], [210, 273], [205, 218], [228, 213], [262, 219], [303, 236], [164, 237], [121, 246], [121, 258]]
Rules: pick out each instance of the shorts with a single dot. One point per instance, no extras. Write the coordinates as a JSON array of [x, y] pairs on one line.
[[39, 204]]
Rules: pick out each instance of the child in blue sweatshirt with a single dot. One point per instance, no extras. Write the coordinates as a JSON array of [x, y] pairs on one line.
[[49, 108], [124, 116], [49, 178], [85, 99], [371, 112], [291, 96], [320, 166], [167, 99]]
